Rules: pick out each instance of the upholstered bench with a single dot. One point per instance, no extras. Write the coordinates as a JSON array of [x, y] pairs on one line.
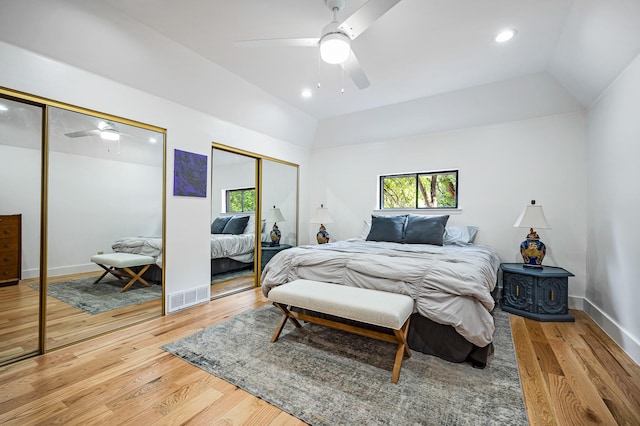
[[387, 310], [115, 263]]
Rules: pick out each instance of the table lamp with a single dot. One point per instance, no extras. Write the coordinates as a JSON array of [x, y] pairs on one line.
[[275, 215], [532, 249], [322, 216]]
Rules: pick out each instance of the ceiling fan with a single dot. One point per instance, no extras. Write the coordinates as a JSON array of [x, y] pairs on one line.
[[335, 39], [106, 130]]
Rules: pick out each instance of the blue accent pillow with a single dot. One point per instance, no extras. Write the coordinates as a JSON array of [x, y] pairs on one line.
[[387, 228], [236, 225], [218, 224], [425, 229]]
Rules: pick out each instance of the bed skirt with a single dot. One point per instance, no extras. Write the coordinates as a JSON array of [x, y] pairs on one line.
[[225, 264]]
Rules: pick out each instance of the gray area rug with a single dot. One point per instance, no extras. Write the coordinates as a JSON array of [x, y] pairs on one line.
[[327, 377], [104, 296]]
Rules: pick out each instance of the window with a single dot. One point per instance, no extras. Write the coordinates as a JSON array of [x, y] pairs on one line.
[[241, 200], [428, 190]]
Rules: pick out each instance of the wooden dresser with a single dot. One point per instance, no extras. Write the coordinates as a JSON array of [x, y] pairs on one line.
[[10, 249]]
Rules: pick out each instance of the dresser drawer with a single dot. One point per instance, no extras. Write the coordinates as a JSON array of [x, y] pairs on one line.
[[9, 244], [9, 230], [10, 249], [9, 272], [8, 258]]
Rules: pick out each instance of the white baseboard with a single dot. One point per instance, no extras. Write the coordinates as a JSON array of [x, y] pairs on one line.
[[61, 270], [619, 335]]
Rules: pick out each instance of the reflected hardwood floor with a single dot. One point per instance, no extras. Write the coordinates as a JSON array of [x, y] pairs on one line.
[[572, 373], [231, 286], [65, 324]]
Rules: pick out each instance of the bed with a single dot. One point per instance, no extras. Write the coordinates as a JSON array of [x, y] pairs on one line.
[[451, 280], [232, 247]]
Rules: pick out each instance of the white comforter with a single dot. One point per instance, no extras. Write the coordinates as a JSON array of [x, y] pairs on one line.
[[237, 247], [450, 285]]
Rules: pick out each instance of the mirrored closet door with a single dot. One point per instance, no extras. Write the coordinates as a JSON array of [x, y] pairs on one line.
[[105, 196], [21, 160], [279, 186], [233, 222]]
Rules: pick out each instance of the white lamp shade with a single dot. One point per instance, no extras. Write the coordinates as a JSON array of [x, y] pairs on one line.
[[335, 48], [532, 217], [274, 215], [321, 216]]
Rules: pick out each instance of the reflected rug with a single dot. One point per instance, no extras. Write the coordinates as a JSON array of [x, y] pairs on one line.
[[328, 377], [104, 296]]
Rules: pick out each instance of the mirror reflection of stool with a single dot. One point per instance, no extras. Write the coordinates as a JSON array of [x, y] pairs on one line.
[[119, 265]]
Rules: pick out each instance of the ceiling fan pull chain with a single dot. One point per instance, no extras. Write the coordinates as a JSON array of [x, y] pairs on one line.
[[342, 80]]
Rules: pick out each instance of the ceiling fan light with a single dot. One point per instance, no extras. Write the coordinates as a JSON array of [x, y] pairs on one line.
[[335, 48], [110, 134], [505, 35]]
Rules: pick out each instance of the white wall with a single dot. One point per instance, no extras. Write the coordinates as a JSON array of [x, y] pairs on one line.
[[94, 202], [187, 250], [20, 194], [613, 299], [501, 168]]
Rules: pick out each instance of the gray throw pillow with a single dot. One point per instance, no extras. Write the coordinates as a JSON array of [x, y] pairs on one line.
[[425, 229], [218, 224], [236, 225], [387, 228]]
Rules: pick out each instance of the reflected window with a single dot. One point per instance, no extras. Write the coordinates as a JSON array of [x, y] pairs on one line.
[[240, 200]]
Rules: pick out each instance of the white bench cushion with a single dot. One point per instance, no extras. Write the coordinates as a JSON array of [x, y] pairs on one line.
[[375, 307], [122, 260]]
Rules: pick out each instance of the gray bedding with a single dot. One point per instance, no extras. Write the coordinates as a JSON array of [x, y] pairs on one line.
[[450, 285]]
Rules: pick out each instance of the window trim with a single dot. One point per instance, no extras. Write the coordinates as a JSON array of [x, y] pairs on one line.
[[416, 175]]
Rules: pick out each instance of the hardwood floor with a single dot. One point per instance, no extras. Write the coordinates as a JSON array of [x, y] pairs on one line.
[[19, 311], [572, 373]]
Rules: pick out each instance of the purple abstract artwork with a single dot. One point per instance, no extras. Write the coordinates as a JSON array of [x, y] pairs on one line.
[[190, 174]]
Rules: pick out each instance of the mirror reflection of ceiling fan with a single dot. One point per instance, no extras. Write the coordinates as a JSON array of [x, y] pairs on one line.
[[107, 130], [335, 39]]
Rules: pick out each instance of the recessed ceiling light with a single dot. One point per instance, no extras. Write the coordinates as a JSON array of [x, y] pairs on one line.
[[3, 108], [506, 35], [306, 93]]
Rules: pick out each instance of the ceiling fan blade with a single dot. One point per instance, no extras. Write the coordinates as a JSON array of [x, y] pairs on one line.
[[355, 71], [82, 133], [362, 18], [279, 42]]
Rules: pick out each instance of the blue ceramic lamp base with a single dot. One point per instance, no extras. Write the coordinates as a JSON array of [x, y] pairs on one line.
[[532, 250]]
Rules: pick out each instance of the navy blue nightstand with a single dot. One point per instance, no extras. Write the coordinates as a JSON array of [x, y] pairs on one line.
[[537, 293]]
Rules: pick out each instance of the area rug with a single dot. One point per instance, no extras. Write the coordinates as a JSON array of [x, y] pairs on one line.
[[328, 377], [104, 296]]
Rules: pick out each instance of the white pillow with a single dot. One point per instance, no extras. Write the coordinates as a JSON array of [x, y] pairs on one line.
[[460, 235], [251, 225], [366, 228]]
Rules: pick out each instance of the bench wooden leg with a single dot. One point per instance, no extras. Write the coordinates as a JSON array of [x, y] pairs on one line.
[[286, 315], [135, 277], [403, 349], [107, 270]]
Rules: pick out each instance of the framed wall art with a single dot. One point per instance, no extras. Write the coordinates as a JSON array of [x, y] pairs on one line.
[[189, 174]]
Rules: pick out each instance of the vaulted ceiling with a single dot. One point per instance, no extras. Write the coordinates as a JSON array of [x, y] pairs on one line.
[[424, 58]]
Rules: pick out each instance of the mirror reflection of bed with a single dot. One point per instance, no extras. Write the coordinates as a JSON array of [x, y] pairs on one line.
[[233, 228], [234, 186]]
